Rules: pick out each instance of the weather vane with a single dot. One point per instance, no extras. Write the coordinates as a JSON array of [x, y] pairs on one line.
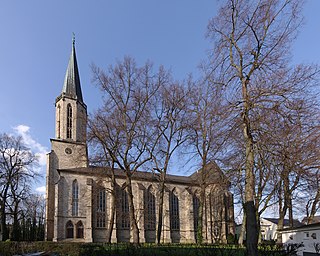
[[73, 38]]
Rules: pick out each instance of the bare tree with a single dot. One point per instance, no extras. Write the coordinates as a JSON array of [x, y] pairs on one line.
[[98, 138], [16, 162], [128, 92], [208, 132], [252, 40], [171, 120]]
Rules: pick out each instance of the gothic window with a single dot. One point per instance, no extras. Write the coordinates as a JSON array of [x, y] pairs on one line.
[[79, 227], [75, 198], [69, 121], [125, 221], [174, 211], [101, 208], [149, 210], [69, 229], [58, 122], [196, 205]]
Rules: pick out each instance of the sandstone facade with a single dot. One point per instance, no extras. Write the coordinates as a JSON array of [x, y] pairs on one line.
[[79, 195]]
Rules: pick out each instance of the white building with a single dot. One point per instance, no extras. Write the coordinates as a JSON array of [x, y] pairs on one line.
[[308, 235], [269, 228]]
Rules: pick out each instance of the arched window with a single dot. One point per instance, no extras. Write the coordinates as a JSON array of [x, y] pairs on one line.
[[79, 227], [69, 121], [75, 198], [69, 229], [125, 220], [149, 210], [101, 208], [196, 205], [58, 122], [174, 211]]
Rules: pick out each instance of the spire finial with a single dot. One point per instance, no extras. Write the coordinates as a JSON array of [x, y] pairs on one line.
[[73, 38]]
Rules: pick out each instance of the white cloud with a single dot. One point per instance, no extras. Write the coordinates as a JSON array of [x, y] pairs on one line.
[[39, 150], [41, 190]]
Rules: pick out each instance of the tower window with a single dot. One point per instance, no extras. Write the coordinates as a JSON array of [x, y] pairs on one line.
[[69, 121], [75, 198], [58, 121]]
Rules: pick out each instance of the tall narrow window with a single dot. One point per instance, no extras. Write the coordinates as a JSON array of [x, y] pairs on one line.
[[174, 212], [69, 229], [75, 198], [101, 208], [149, 210], [58, 122], [79, 227], [125, 221], [196, 205], [69, 121]]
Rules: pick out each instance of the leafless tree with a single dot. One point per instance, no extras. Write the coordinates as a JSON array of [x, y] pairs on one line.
[[252, 41], [16, 162], [126, 118], [171, 121], [98, 138], [208, 132]]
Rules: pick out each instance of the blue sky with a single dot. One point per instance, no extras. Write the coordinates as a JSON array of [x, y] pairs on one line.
[[35, 44]]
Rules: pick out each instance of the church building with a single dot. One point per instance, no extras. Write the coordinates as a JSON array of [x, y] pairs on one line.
[[79, 195]]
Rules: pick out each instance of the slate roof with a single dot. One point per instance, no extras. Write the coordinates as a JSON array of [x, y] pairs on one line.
[[313, 226], [286, 223], [148, 176], [71, 86]]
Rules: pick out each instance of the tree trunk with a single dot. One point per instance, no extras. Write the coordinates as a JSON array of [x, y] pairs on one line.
[[16, 226], [249, 207], [290, 208], [200, 216], [259, 229], [314, 207], [113, 207], [243, 229], [133, 221], [282, 214], [160, 210], [4, 229]]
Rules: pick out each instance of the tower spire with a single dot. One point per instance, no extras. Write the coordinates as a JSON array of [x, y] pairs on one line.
[[71, 86]]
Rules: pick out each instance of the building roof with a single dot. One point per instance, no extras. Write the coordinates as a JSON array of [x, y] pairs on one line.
[[71, 86], [286, 222], [314, 226], [140, 175], [315, 219]]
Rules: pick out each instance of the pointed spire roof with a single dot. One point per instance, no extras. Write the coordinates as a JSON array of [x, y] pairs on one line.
[[71, 85]]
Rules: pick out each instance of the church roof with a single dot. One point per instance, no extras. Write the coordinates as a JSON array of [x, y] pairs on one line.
[[71, 86], [216, 178]]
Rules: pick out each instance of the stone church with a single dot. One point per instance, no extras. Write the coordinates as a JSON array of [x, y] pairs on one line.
[[78, 195]]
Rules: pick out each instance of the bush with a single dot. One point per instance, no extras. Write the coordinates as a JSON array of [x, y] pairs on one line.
[[95, 249]]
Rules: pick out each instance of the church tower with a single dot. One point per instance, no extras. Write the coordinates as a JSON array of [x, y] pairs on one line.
[[71, 120], [69, 147], [71, 112]]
